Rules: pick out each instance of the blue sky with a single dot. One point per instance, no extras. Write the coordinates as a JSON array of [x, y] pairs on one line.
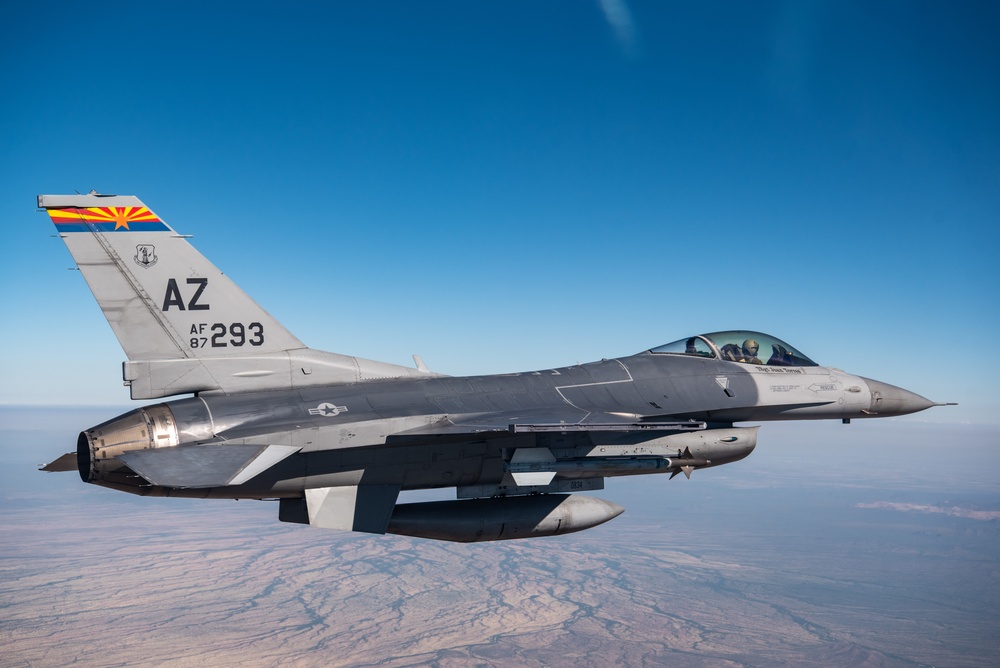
[[526, 184]]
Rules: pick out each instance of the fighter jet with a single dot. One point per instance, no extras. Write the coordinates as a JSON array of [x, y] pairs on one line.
[[256, 414]]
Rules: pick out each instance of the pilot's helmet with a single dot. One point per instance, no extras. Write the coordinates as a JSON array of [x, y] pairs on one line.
[[750, 347]]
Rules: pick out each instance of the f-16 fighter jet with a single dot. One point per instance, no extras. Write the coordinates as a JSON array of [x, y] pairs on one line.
[[253, 413]]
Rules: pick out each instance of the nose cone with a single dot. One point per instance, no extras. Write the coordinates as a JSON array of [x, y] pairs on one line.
[[889, 400]]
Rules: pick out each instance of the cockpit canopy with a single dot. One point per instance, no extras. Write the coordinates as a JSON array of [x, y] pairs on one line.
[[738, 346]]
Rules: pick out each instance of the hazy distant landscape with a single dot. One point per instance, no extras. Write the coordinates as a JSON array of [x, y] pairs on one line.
[[866, 544]]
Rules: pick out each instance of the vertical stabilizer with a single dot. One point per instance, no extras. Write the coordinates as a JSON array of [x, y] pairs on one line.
[[163, 299], [185, 326]]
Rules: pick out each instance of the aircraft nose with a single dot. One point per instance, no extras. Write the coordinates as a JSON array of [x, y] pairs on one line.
[[889, 400]]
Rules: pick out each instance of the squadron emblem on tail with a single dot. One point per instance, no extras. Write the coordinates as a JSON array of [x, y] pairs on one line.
[[145, 255]]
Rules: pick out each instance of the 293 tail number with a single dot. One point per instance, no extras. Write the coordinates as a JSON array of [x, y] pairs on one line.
[[221, 335]]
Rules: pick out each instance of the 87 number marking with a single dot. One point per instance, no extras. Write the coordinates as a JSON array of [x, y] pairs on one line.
[[222, 336]]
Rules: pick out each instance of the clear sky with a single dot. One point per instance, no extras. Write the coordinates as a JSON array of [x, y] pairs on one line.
[[519, 185]]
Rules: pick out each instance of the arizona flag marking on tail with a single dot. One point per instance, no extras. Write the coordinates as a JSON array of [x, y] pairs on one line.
[[107, 219]]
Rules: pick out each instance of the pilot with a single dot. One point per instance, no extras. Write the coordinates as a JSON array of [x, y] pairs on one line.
[[749, 350]]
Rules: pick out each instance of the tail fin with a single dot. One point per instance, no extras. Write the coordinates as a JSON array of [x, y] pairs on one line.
[[164, 300], [183, 324]]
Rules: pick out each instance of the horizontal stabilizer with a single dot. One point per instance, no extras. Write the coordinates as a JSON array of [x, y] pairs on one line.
[[65, 463], [189, 466]]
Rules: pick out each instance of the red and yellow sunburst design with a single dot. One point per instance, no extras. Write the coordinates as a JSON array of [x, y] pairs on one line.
[[107, 219]]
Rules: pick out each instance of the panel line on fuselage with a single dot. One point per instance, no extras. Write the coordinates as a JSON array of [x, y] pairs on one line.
[[559, 388]]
